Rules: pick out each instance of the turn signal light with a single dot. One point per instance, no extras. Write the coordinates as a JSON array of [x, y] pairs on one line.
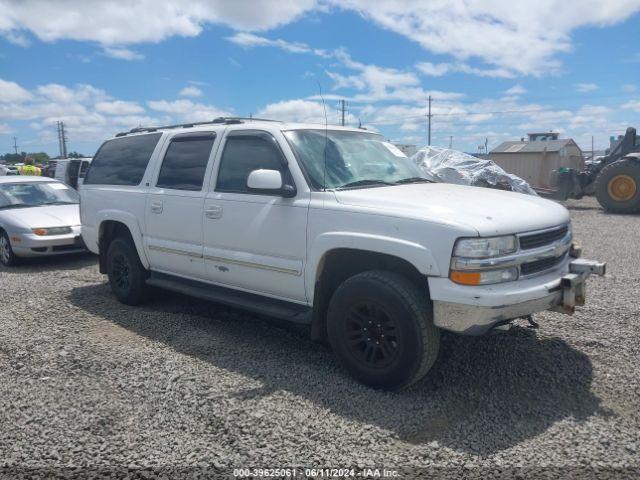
[[466, 278], [40, 231]]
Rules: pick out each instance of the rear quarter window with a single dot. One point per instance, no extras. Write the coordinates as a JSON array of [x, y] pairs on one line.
[[122, 161]]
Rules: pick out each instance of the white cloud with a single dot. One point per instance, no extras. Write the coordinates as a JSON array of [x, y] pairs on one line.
[[5, 129], [434, 69], [520, 37], [119, 107], [516, 90], [439, 69], [120, 22], [295, 111], [188, 111], [250, 40], [511, 38], [122, 53], [632, 105], [586, 87], [190, 91], [90, 114], [629, 88], [12, 92]]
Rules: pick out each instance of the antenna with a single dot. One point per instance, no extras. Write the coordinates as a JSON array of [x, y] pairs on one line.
[[326, 136]]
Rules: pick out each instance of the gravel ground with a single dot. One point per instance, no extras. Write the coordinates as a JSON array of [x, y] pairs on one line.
[[183, 387]]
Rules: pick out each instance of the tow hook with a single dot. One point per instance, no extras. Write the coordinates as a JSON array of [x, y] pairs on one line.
[[573, 284]]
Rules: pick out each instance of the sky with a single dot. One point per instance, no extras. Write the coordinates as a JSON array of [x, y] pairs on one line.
[[495, 69]]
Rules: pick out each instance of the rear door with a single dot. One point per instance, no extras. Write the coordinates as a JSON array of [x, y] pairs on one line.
[[175, 201]]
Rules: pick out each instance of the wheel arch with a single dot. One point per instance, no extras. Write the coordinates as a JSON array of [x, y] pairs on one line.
[[113, 226], [339, 263]]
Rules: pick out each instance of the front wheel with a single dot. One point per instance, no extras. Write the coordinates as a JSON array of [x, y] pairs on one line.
[[127, 276], [618, 187], [7, 257], [380, 326]]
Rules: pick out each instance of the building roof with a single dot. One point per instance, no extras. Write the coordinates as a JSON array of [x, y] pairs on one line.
[[533, 147]]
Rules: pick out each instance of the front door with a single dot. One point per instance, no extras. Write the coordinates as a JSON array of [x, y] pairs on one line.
[[254, 241], [175, 205]]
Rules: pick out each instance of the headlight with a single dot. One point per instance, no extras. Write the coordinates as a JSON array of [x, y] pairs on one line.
[[485, 247], [51, 231], [468, 250]]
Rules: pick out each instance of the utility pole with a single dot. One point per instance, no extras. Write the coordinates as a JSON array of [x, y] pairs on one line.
[[62, 140], [343, 107], [486, 146], [429, 127], [450, 141], [15, 145], [593, 153]]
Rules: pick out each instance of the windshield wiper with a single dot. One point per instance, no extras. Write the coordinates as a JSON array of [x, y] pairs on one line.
[[413, 180], [362, 183], [59, 203]]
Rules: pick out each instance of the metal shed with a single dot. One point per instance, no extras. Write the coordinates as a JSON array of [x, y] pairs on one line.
[[534, 161]]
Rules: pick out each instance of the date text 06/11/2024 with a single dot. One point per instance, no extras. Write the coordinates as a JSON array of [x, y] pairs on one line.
[[315, 473]]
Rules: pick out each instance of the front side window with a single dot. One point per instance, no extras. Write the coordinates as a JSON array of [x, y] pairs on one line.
[[242, 155], [122, 161], [336, 159], [35, 194], [185, 162]]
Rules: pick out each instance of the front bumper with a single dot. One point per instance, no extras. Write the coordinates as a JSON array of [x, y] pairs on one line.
[[32, 245], [473, 310]]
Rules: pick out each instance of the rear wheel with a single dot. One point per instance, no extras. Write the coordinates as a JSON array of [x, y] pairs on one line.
[[381, 329], [618, 187], [127, 276], [7, 257]]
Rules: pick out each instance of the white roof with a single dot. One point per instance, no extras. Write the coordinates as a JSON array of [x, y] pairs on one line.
[[25, 179], [247, 124]]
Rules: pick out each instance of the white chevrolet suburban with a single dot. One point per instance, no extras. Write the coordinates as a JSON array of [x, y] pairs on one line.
[[331, 227]]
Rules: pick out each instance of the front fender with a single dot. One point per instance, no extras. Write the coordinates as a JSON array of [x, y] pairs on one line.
[[132, 224], [418, 255]]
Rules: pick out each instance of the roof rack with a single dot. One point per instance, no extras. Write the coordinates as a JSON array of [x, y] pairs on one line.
[[215, 121]]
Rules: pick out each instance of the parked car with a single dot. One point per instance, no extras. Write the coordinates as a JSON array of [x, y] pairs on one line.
[[334, 228], [69, 170], [38, 216]]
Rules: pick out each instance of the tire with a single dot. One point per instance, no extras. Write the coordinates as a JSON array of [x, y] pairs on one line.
[[127, 276], [7, 257], [618, 187], [407, 340]]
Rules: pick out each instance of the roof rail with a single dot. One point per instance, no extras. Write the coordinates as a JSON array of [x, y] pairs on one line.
[[219, 120]]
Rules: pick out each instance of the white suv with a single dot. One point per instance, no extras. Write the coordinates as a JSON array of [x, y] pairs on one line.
[[331, 227]]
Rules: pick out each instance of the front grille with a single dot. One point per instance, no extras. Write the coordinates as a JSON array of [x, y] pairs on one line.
[[541, 265], [541, 239]]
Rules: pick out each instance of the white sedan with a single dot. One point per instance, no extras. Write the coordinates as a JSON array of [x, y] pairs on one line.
[[38, 216]]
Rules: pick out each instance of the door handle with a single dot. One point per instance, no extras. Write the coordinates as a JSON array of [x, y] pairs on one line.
[[156, 207], [213, 212]]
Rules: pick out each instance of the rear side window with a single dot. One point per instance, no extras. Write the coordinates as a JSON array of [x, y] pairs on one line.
[[185, 162], [122, 161], [242, 155]]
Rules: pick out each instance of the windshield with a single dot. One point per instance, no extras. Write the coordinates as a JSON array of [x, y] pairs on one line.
[[34, 194], [353, 159]]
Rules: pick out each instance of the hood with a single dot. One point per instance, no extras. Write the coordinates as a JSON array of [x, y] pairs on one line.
[[43, 217], [488, 211]]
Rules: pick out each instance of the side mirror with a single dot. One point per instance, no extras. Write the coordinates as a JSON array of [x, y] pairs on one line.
[[269, 181]]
